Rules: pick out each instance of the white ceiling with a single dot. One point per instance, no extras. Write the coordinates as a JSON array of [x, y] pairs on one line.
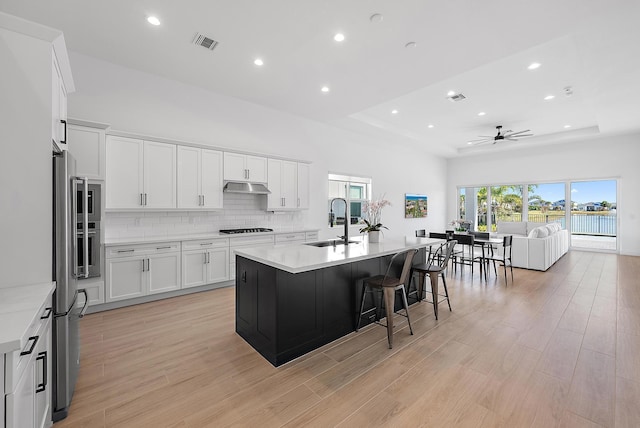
[[479, 48]]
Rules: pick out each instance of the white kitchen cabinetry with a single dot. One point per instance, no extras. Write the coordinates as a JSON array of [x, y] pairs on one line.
[[199, 178], [289, 185], [290, 238], [246, 168], [140, 174], [205, 262], [283, 183], [140, 270], [58, 105], [87, 145], [28, 376]]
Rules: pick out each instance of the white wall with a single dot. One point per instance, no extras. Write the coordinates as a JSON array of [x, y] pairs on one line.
[[25, 162], [611, 157], [142, 103]]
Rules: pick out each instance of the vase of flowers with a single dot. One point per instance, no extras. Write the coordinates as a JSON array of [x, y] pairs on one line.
[[373, 211]]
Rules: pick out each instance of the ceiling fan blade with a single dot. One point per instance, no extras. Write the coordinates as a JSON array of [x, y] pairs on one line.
[[520, 132], [486, 136]]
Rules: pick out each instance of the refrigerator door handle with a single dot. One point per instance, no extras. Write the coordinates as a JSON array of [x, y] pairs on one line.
[[74, 225], [69, 309], [86, 302], [85, 226]]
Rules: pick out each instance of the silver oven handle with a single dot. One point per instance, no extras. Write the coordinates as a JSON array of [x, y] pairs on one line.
[[85, 226], [74, 224]]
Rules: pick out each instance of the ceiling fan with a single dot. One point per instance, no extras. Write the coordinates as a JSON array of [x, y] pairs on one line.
[[506, 136]]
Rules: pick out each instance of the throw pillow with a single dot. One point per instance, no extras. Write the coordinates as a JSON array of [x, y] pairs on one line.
[[543, 232], [551, 229], [533, 233]]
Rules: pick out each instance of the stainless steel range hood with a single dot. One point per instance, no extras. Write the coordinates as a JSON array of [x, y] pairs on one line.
[[251, 188]]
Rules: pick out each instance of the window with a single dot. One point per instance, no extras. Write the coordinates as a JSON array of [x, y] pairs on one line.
[[355, 190]]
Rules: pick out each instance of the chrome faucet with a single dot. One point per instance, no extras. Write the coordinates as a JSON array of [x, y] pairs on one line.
[[346, 223]]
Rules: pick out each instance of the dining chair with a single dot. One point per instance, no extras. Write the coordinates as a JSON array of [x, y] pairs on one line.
[[465, 252], [421, 233], [435, 268], [388, 285], [503, 257]]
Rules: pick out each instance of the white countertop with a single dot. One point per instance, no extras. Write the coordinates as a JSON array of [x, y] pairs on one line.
[[302, 258], [193, 237], [19, 307]]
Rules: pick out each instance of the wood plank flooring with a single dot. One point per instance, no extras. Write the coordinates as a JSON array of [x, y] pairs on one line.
[[556, 348]]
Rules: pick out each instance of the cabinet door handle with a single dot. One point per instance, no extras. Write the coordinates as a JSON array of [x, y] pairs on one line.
[[141, 199], [145, 199], [203, 200], [33, 345], [126, 251], [46, 313], [208, 258], [298, 201], [64, 122], [243, 277], [42, 356], [143, 270]]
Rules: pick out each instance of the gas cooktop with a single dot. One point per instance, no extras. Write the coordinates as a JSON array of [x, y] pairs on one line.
[[247, 230]]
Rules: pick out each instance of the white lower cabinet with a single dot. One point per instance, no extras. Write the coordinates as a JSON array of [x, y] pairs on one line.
[[28, 377], [205, 262], [140, 270]]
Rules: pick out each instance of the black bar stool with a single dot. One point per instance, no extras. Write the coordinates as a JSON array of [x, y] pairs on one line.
[[389, 285], [435, 267]]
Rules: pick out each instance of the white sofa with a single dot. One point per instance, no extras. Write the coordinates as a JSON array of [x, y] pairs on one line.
[[535, 245]]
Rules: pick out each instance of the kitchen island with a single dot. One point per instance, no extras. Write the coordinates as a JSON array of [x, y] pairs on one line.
[[291, 300]]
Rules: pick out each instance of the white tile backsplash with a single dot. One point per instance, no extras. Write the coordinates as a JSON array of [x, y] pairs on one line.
[[239, 211]]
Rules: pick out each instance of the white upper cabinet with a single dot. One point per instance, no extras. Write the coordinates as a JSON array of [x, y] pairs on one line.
[[87, 145], [140, 174], [239, 167], [199, 178], [283, 183], [303, 186], [124, 179], [289, 185], [159, 175]]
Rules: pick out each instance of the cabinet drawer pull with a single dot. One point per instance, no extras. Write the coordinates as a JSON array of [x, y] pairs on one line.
[[206, 243], [33, 345], [42, 356], [126, 251], [163, 248], [46, 314]]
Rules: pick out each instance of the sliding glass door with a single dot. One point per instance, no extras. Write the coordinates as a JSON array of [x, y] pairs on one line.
[[594, 219], [547, 203]]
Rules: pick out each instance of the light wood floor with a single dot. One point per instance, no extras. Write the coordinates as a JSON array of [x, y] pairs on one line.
[[559, 348]]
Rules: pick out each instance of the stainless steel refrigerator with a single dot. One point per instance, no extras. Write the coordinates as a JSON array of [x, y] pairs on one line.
[[70, 258]]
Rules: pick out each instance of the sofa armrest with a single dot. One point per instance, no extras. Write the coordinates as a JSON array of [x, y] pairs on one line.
[[520, 252]]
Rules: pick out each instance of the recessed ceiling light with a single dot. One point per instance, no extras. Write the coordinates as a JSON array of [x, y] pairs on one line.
[[376, 17], [481, 113], [534, 65], [451, 93], [338, 37], [258, 62], [549, 97], [430, 126], [394, 111], [411, 45], [153, 20], [325, 89], [469, 143], [567, 126]]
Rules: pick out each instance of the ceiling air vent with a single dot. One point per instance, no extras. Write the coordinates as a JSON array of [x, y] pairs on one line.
[[204, 41], [457, 97]]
